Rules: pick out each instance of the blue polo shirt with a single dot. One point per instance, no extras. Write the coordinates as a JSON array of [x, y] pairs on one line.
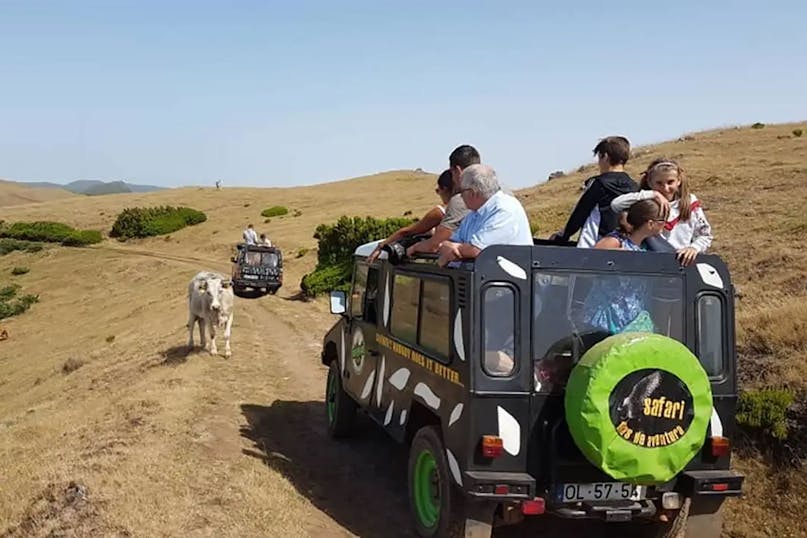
[[500, 221]]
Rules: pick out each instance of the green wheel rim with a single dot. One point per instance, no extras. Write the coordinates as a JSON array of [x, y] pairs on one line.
[[427, 489], [331, 396]]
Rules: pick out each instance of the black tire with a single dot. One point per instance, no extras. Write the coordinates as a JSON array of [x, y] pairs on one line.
[[340, 409], [449, 522]]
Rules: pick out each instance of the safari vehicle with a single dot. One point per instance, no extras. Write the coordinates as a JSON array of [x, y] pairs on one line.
[[257, 267], [527, 385]]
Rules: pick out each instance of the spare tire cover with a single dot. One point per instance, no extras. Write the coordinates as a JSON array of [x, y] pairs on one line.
[[638, 405]]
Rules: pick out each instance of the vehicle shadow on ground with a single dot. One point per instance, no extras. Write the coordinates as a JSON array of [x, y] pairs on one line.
[[359, 482]]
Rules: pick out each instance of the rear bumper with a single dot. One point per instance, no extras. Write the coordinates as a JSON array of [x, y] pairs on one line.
[[613, 511], [482, 485], [722, 483]]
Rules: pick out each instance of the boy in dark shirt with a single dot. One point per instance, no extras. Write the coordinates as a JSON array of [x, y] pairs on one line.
[[593, 214]]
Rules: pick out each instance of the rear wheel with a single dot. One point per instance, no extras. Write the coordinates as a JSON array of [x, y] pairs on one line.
[[436, 506], [340, 407]]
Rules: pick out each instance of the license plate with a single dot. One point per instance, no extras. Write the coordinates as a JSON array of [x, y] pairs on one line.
[[599, 491], [251, 277]]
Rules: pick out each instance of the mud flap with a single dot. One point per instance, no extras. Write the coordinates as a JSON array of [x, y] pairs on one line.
[[479, 519]]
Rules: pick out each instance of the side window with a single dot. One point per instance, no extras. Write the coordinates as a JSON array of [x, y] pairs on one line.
[[710, 334], [371, 297], [405, 303], [499, 319], [434, 317], [357, 295]]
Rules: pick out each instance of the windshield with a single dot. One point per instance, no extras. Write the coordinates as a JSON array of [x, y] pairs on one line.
[[574, 311]]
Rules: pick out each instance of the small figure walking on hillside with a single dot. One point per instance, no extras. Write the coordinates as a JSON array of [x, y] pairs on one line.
[[218, 184]]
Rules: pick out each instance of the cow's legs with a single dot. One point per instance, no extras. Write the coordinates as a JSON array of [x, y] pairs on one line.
[[191, 327], [227, 331], [213, 349], [202, 335]]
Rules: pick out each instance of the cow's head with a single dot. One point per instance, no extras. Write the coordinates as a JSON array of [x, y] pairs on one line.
[[219, 295]]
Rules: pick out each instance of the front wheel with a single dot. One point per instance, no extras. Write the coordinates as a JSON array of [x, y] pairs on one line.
[[340, 407], [436, 506]]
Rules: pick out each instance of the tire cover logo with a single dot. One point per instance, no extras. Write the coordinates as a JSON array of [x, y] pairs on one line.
[[357, 350], [651, 408]]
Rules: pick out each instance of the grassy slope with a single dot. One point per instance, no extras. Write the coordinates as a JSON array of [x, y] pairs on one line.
[[752, 184], [12, 194]]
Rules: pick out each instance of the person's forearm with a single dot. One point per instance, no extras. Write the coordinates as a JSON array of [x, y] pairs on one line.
[[468, 251]]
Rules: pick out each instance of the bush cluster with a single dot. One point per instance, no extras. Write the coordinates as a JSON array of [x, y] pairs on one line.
[[337, 242], [13, 305], [764, 412], [274, 211], [51, 232], [150, 221]]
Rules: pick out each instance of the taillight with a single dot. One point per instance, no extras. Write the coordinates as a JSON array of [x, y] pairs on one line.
[[492, 446], [720, 486], [720, 446], [534, 507]]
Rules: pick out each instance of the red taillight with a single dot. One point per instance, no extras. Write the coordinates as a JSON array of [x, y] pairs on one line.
[[718, 487], [534, 507], [492, 446], [501, 490], [720, 446]]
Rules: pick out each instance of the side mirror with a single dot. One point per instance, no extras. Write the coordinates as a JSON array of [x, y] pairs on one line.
[[338, 302]]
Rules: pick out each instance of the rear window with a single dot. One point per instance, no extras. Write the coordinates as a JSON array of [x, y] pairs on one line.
[[574, 311]]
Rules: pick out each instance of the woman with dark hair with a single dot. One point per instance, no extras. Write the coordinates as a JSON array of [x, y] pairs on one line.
[[426, 224], [644, 219]]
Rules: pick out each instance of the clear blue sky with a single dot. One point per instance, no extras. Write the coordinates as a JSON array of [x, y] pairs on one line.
[[270, 94]]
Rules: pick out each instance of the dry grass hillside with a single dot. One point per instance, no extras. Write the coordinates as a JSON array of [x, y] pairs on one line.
[[12, 193], [95, 388]]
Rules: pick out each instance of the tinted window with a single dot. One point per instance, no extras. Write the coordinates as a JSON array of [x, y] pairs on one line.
[[405, 300], [572, 312], [499, 318], [434, 317], [710, 333], [359, 285], [371, 297]]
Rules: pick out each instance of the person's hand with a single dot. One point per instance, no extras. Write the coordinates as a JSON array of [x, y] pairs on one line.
[[556, 236], [411, 251], [686, 255], [374, 254], [449, 252], [664, 203]]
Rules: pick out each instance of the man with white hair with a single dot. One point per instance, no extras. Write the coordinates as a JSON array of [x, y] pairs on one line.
[[496, 218]]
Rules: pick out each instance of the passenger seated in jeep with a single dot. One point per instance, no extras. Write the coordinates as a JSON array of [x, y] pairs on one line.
[[430, 220], [496, 218], [644, 219]]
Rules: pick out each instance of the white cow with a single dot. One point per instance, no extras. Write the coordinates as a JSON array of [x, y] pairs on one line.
[[210, 302]]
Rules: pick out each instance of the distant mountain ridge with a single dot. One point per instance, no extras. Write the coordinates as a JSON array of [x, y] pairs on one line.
[[94, 187]]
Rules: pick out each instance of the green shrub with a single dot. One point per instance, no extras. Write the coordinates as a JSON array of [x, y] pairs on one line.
[[10, 245], [274, 211], [765, 411], [52, 232], [336, 244], [20, 271], [798, 132], [758, 125], [80, 238], [151, 221], [11, 305], [302, 251]]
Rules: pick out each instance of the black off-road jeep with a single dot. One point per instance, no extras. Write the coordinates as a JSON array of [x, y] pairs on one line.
[[545, 381], [257, 267]]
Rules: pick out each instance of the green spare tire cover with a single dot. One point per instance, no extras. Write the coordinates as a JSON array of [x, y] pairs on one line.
[[638, 405]]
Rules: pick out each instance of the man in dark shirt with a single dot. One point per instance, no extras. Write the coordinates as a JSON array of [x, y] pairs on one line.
[[592, 215]]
